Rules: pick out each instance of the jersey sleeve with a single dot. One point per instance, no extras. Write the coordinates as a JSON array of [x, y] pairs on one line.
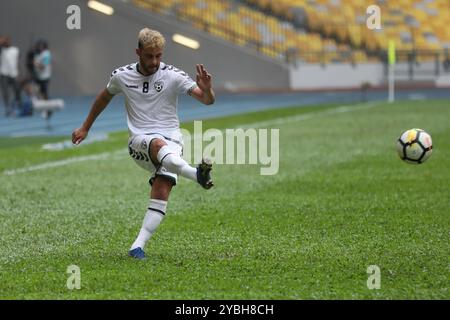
[[113, 85], [184, 83]]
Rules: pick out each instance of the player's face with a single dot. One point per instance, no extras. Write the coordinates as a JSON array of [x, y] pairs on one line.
[[149, 59]]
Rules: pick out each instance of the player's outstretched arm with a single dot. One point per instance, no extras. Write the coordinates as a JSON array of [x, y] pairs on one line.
[[99, 105], [203, 92]]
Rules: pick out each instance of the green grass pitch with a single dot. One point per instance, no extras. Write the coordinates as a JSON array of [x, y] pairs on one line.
[[342, 201]]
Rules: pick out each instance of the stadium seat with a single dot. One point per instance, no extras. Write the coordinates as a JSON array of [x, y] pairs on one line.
[[302, 26]]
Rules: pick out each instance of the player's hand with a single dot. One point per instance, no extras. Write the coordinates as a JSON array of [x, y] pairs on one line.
[[78, 135], [203, 78]]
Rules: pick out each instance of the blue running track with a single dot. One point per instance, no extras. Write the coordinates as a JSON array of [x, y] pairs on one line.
[[113, 118]]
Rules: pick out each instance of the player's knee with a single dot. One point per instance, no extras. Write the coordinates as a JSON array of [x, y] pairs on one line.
[[155, 146]]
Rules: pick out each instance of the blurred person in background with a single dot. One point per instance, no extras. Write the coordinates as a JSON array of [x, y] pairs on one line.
[[29, 64], [43, 71], [26, 109], [9, 71]]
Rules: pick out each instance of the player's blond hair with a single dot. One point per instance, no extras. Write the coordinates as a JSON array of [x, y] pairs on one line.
[[150, 38]]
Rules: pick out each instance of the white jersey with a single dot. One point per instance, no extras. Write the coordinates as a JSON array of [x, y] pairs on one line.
[[151, 101], [9, 62]]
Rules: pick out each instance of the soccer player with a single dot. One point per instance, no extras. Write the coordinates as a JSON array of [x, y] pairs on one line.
[[151, 90]]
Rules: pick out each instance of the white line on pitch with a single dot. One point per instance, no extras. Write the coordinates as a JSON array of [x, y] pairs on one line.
[[277, 121], [59, 163], [301, 117]]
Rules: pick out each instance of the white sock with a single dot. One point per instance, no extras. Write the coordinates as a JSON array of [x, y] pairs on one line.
[[174, 163], [153, 217]]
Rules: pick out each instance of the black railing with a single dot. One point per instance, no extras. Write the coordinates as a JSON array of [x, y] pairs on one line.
[[428, 63]]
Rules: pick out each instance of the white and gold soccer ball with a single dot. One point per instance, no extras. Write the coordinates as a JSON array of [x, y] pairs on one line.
[[414, 146]]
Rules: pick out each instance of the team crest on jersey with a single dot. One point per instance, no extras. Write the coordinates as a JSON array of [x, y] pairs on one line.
[[159, 85]]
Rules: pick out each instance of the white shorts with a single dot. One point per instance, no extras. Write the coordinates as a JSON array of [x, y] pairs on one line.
[[139, 150]]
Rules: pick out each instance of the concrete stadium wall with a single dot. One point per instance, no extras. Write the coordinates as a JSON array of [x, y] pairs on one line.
[[443, 81], [347, 76], [336, 76], [83, 59]]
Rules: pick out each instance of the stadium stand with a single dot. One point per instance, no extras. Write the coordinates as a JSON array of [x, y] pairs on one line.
[[250, 26], [412, 24], [319, 31]]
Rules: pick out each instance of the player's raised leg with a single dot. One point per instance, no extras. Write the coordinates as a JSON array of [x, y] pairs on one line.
[[161, 153]]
